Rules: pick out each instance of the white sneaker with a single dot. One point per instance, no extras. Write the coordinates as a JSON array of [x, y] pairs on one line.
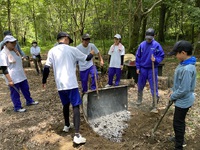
[[79, 140], [108, 85], [21, 110], [66, 128]]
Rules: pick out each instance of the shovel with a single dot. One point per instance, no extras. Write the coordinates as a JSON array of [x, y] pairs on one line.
[[159, 121], [155, 110]]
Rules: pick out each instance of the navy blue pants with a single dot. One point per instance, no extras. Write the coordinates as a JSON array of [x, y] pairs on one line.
[[147, 74], [114, 71], [15, 96], [84, 78], [179, 126]]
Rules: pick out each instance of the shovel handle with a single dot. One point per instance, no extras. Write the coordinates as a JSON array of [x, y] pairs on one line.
[[95, 78], [154, 83], [158, 123]]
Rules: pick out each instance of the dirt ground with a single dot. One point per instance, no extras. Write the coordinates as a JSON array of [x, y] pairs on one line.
[[40, 128]]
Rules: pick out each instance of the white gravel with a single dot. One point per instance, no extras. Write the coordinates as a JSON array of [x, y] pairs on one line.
[[111, 126]]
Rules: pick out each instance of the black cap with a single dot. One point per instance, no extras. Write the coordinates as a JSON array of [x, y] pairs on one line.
[[181, 46], [7, 33], [86, 36], [34, 42], [150, 33], [64, 34]]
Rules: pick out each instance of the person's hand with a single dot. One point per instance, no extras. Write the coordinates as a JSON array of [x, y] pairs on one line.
[[101, 63], [92, 52], [122, 67], [153, 58], [10, 83], [169, 95], [138, 71]]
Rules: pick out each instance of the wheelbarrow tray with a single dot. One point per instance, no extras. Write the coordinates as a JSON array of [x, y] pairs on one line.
[[109, 100]]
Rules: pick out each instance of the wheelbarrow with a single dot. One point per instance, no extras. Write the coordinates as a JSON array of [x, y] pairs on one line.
[[104, 102]]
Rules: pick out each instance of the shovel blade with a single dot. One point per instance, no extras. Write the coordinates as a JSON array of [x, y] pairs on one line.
[[109, 100]]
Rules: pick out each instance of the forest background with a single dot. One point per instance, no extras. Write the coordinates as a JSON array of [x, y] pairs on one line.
[[41, 20]]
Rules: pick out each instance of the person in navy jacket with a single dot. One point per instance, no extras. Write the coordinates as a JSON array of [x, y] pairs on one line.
[[148, 51]]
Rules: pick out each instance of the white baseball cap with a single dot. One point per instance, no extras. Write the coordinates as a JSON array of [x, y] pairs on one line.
[[9, 38], [117, 36]]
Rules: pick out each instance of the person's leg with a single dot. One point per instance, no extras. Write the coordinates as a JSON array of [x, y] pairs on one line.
[[111, 73], [25, 91], [93, 71], [142, 78], [76, 118], [84, 80], [40, 65], [118, 76], [64, 97], [179, 126], [66, 114], [75, 100], [15, 97], [36, 66]]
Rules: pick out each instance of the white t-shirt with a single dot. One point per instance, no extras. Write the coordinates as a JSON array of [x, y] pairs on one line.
[[83, 65], [35, 51], [15, 69], [63, 58], [116, 54]]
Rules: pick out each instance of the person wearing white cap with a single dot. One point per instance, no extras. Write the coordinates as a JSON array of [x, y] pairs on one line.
[[17, 47], [116, 60], [11, 64]]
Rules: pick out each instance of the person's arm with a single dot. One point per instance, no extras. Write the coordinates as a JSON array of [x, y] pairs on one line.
[[20, 50], [184, 87], [101, 59], [5, 72], [90, 56], [159, 54]]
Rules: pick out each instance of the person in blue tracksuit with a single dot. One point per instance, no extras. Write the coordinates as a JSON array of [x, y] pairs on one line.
[[148, 51], [183, 88]]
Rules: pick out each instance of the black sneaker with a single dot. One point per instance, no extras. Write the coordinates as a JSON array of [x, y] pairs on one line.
[[172, 139]]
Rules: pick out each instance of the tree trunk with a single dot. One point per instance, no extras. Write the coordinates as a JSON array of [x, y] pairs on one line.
[[34, 20], [144, 25], [135, 22], [9, 15], [161, 35]]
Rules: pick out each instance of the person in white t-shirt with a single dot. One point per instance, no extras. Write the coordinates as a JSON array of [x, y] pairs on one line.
[[35, 52], [116, 60], [87, 68], [11, 64], [63, 58]]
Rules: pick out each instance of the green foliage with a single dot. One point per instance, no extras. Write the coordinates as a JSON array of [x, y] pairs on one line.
[[41, 20]]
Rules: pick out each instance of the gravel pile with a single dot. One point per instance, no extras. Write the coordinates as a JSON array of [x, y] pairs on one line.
[[111, 126]]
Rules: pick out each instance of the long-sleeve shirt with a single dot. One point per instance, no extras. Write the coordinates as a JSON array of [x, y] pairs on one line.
[[144, 53], [35, 51], [184, 83]]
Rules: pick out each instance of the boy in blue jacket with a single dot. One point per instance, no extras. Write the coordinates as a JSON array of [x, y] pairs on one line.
[[148, 52], [183, 88]]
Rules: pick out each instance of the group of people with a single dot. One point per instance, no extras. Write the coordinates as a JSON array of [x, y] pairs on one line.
[[64, 58]]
